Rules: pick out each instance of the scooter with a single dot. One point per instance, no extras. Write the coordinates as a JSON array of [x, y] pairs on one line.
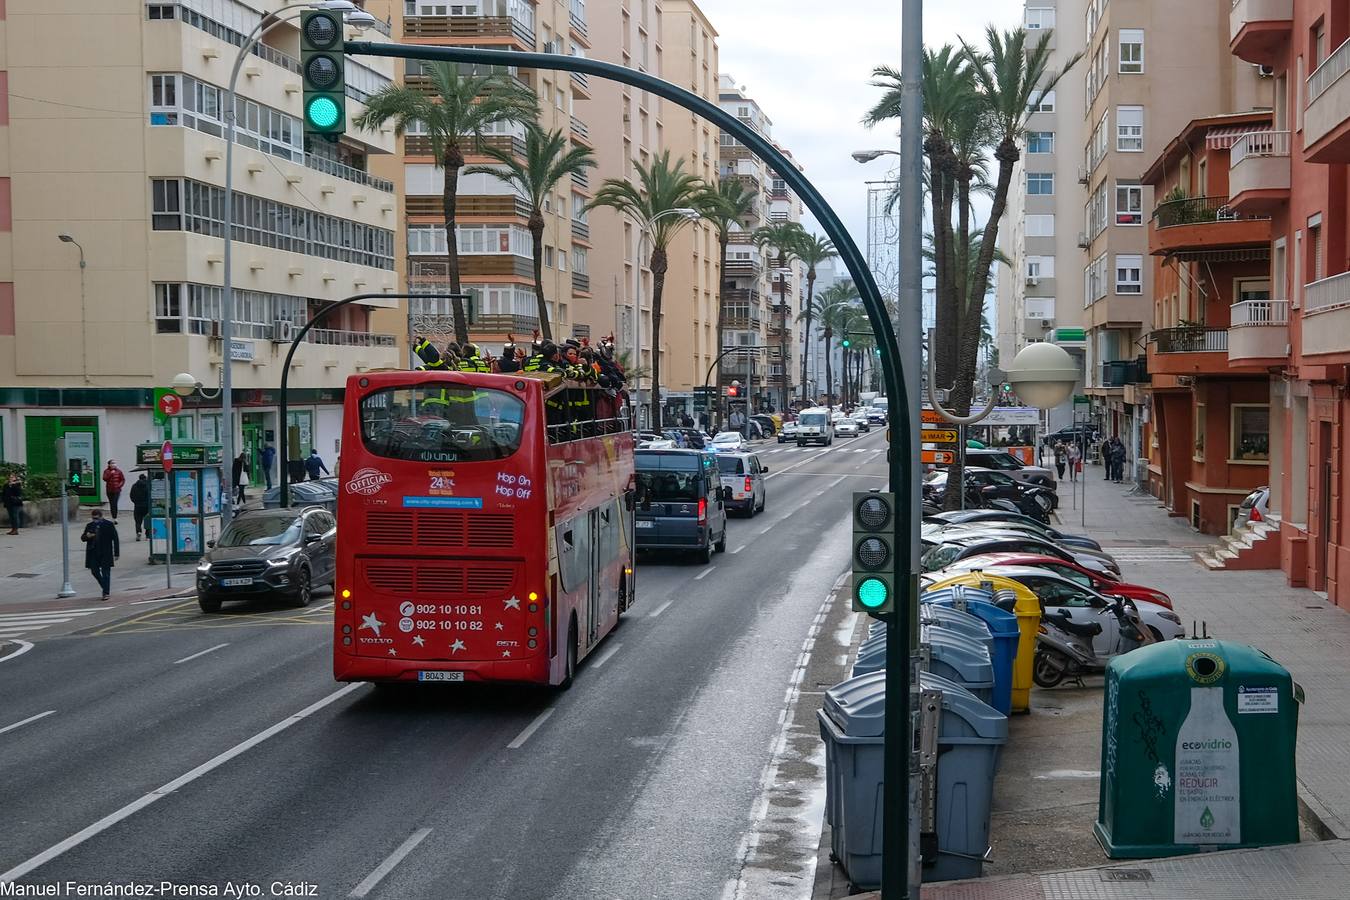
[[1032, 503], [1064, 647]]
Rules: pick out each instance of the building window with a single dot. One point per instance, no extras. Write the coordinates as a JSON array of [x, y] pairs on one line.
[[1130, 129], [1198, 434], [1040, 267], [168, 308], [1039, 18], [1129, 274], [1041, 142], [1096, 211], [1040, 226], [1250, 432], [1046, 104], [1040, 183], [548, 257], [579, 261], [166, 205], [1094, 281], [1129, 204], [1131, 51], [1252, 290]]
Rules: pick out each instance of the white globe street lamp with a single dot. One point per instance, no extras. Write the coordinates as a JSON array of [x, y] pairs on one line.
[[1042, 375]]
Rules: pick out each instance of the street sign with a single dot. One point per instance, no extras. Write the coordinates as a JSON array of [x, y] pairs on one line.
[[932, 417], [939, 436], [1081, 399], [167, 405], [937, 457], [166, 456]]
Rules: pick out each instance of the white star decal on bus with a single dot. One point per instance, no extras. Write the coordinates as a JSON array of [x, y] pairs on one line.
[[417, 639], [371, 622], [457, 646], [393, 652], [500, 626], [506, 653], [513, 603]]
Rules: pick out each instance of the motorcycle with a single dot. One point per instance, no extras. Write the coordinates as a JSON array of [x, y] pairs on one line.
[[1065, 647], [1032, 502]]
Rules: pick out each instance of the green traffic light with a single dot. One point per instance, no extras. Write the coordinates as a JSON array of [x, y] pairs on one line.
[[846, 342], [872, 593], [322, 112]]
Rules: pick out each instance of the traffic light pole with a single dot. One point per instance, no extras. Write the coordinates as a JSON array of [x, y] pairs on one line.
[[707, 375], [899, 365]]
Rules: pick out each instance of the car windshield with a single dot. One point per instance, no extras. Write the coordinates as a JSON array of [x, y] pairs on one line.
[[814, 419], [997, 460], [669, 487], [731, 465], [260, 531], [727, 437], [441, 422]]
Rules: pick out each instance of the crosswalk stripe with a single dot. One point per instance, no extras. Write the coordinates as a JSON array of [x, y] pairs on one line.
[[31, 623], [63, 614]]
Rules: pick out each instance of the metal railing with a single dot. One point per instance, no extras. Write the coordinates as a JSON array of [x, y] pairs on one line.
[[581, 179], [347, 173], [581, 230], [1198, 211], [1259, 143], [579, 128], [1126, 371], [581, 282], [577, 22], [1327, 293], [468, 27], [1191, 339], [1258, 312], [336, 338], [582, 80], [1332, 68]]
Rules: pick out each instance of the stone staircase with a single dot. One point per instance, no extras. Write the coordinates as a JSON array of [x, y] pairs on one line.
[[1254, 546]]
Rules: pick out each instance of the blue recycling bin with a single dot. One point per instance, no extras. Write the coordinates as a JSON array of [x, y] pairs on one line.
[[1002, 625]]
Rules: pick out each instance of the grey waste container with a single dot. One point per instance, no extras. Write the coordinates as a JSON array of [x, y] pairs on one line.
[[322, 492], [958, 620], [952, 655], [970, 737]]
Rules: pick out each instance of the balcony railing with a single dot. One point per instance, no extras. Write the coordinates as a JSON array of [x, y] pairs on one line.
[[581, 179], [579, 128], [1258, 312], [581, 282], [467, 27], [1197, 211], [1327, 293], [575, 18], [741, 295], [1332, 68], [1259, 143], [1191, 339], [581, 230], [582, 80], [335, 338], [420, 144], [347, 173], [468, 205], [1123, 372]]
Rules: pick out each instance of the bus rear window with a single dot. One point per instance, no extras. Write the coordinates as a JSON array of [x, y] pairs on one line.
[[441, 422]]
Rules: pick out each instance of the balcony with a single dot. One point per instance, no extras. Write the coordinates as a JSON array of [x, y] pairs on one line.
[[581, 83], [1258, 177], [420, 144], [347, 173], [1123, 372], [469, 28], [1189, 350], [581, 179], [1326, 316], [748, 296], [469, 205], [576, 21], [742, 268], [581, 282], [1326, 123], [580, 133], [1204, 223], [332, 337], [1258, 28], [1258, 332], [581, 231]]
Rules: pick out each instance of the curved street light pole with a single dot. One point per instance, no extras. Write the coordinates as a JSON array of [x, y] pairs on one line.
[[708, 375]]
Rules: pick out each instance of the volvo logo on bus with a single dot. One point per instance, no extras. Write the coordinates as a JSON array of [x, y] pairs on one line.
[[368, 481]]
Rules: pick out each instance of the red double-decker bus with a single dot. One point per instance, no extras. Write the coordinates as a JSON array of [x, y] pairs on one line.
[[485, 528]]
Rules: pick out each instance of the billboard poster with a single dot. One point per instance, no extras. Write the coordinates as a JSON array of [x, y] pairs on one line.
[[187, 535], [185, 493], [210, 491]]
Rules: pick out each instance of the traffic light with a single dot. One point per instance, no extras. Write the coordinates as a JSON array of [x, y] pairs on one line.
[[734, 389], [846, 343], [874, 556], [323, 72], [76, 470]]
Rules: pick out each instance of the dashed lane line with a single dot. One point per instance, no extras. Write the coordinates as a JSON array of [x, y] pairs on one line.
[[24, 722], [393, 859], [705, 573], [530, 729], [202, 653]]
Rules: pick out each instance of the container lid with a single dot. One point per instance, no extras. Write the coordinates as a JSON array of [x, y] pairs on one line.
[[1000, 621], [956, 620], [1200, 662], [958, 592], [966, 660], [858, 708]]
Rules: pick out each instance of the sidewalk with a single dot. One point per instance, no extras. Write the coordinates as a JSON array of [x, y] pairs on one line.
[[1301, 631]]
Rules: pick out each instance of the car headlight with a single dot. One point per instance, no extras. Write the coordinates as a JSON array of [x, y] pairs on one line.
[[279, 561], [204, 568], [1171, 617]]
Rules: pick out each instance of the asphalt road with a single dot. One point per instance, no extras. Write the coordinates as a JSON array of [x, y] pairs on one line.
[[165, 746]]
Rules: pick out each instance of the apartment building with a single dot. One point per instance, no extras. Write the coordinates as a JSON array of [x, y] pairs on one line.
[[1295, 171], [1149, 67], [111, 194], [1038, 293], [495, 247]]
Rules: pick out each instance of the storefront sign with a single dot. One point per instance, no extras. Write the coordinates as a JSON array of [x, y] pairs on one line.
[[194, 454], [1012, 415], [241, 351]]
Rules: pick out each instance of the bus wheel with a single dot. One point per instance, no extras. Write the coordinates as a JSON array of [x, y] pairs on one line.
[[571, 671]]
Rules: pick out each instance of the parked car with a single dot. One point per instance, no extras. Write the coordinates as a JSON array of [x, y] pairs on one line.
[[1070, 570], [269, 551], [691, 438], [814, 426], [998, 517], [980, 483], [941, 551], [743, 475], [1083, 433], [729, 441], [788, 432], [321, 492], [1254, 508], [680, 502], [1005, 462]]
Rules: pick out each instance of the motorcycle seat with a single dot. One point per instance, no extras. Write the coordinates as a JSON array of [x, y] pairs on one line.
[[1087, 629]]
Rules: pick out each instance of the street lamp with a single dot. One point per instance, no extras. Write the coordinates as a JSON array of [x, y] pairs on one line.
[[866, 156], [1042, 375], [354, 16], [692, 215], [84, 312]]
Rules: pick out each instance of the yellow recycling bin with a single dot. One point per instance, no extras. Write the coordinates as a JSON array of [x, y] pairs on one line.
[[1028, 612]]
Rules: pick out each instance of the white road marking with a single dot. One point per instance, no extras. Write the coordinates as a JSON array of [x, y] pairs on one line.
[[766, 529], [393, 859], [59, 614], [836, 481], [662, 608], [156, 600], [11, 624], [530, 729], [24, 647], [604, 657], [739, 549], [704, 574], [27, 720], [141, 803], [202, 653]]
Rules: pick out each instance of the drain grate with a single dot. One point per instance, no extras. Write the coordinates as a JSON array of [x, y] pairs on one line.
[[25, 575], [1126, 875]]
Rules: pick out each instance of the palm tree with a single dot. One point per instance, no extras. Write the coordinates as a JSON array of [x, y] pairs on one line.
[[828, 308], [547, 161], [724, 206], [814, 250], [455, 115], [661, 188]]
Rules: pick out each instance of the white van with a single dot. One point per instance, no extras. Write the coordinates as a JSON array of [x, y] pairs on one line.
[[814, 425]]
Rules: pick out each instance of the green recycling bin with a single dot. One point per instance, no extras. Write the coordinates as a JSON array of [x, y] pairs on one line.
[[1198, 740]]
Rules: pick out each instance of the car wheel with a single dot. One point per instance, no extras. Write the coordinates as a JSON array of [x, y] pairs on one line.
[[570, 672], [706, 554], [304, 588], [721, 545], [763, 502], [208, 604], [751, 509], [801, 444]]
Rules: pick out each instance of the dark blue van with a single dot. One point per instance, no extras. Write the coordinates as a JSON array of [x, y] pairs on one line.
[[680, 502]]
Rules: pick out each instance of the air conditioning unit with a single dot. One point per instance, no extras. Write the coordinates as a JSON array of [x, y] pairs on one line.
[[215, 329], [1083, 240], [1083, 175], [1033, 280], [1265, 71], [282, 331]]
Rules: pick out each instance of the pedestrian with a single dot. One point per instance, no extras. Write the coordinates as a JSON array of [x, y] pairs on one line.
[[1061, 458], [113, 480], [238, 470], [13, 497], [1075, 461], [1117, 457], [101, 549], [140, 502], [686, 421], [314, 465], [266, 458]]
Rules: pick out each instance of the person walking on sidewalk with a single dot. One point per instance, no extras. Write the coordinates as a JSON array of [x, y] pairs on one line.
[[266, 458], [140, 502], [1075, 461], [314, 465], [13, 497], [101, 549], [1061, 458], [113, 480], [238, 470]]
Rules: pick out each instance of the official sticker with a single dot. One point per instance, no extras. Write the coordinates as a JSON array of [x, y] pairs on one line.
[[1252, 699], [368, 481]]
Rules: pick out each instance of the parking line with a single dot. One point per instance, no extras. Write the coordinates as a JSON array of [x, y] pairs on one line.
[[530, 729], [321, 606], [202, 653], [705, 573], [390, 861], [662, 608], [604, 657], [27, 720]]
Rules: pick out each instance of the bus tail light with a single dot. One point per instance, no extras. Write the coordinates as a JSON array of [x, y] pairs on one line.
[[702, 510]]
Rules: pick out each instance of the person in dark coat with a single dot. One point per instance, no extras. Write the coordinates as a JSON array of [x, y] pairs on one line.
[[237, 469], [101, 549], [13, 497], [314, 465], [265, 459], [140, 502]]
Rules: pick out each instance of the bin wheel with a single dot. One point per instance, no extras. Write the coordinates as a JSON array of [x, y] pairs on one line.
[[1045, 673]]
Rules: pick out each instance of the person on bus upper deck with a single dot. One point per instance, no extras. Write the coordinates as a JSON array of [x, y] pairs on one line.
[[507, 363], [427, 352], [470, 361]]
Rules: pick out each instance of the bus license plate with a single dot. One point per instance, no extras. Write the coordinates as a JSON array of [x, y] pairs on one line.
[[645, 524], [440, 676], [236, 582]]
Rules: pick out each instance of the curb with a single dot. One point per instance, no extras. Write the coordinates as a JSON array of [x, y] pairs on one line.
[[1320, 820]]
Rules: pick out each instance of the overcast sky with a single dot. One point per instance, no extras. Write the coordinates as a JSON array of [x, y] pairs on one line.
[[808, 65]]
